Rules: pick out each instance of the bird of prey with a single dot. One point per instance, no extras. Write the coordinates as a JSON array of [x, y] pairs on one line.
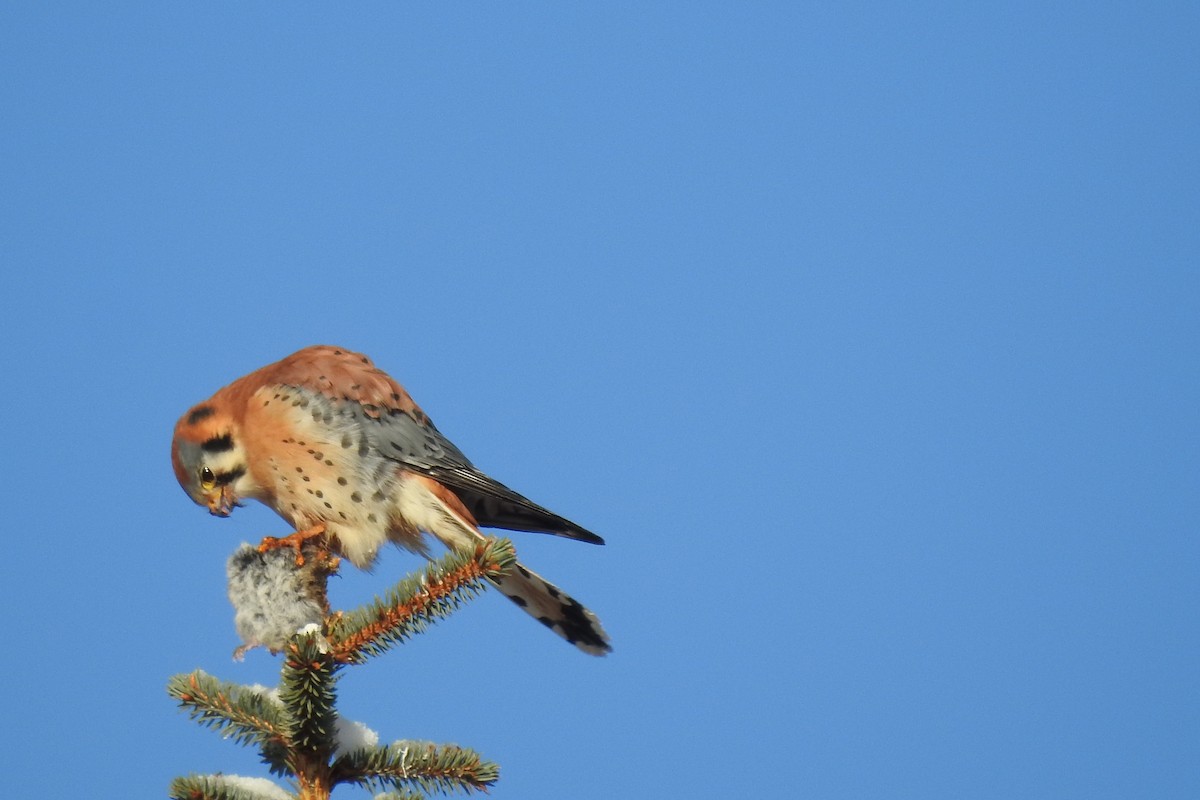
[[339, 450]]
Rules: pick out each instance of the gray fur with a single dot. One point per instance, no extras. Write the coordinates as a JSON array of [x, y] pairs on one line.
[[271, 596]]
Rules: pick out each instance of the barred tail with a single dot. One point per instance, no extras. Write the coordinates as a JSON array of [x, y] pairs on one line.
[[429, 506], [555, 609]]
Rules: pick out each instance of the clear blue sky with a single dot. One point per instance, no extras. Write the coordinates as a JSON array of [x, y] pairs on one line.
[[866, 335]]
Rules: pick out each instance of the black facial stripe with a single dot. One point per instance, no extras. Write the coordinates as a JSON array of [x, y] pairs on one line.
[[218, 444], [203, 412], [226, 478]]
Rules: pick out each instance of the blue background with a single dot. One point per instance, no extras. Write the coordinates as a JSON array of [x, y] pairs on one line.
[[865, 333]]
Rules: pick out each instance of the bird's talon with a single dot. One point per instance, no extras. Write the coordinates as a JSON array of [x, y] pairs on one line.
[[295, 541]]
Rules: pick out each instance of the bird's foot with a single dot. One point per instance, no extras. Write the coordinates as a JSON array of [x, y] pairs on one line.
[[294, 541]]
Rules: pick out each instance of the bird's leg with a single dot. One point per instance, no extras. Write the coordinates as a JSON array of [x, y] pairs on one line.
[[295, 541]]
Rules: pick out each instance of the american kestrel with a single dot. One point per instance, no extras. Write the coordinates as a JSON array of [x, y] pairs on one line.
[[339, 449]]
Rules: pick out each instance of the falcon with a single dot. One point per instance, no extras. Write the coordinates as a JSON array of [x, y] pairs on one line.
[[339, 449]]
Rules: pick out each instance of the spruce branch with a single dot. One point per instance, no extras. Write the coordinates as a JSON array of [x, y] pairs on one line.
[[307, 693], [297, 728], [225, 787], [242, 713], [418, 601], [422, 765]]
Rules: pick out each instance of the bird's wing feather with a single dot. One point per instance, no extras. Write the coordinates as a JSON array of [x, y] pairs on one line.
[[422, 448], [396, 427]]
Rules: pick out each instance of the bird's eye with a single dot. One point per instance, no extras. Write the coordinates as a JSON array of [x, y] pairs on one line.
[[207, 479]]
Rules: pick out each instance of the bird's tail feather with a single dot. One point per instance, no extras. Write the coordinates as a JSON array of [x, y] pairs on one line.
[[432, 507], [555, 609]]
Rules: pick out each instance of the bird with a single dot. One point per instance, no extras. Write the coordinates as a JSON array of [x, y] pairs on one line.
[[342, 452]]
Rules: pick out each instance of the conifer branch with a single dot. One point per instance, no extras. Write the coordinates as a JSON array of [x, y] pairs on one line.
[[307, 693], [426, 766], [296, 728], [418, 601], [241, 713], [225, 787]]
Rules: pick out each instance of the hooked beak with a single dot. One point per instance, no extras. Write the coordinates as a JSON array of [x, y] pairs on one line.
[[222, 504]]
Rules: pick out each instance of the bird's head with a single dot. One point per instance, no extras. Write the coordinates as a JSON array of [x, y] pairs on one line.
[[209, 462]]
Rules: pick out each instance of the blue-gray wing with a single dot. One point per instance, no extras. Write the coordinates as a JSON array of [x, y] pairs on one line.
[[421, 447]]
